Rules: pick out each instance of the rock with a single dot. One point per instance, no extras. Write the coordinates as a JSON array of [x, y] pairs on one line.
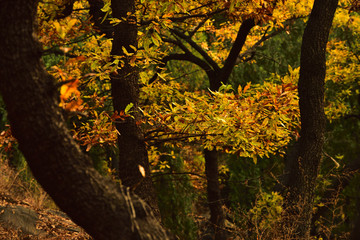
[[19, 218]]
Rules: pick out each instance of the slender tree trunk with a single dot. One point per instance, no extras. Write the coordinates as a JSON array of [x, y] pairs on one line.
[[105, 210], [215, 203], [217, 216], [125, 90], [306, 159], [216, 79]]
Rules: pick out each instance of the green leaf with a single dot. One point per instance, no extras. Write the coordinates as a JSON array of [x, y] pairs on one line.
[[128, 107]]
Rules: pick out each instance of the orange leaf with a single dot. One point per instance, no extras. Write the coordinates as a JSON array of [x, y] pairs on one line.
[[67, 90], [247, 87]]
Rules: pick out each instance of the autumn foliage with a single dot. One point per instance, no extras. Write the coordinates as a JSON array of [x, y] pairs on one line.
[[179, 44]]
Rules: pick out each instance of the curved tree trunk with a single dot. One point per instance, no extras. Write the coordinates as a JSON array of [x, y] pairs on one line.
[[104, 210], [305, 161], [125, 90]]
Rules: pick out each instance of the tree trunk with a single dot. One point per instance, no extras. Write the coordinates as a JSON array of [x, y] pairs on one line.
[[215, 203], [216, 79], [306, 159], [125, 90], [217, 216], [104, 210]]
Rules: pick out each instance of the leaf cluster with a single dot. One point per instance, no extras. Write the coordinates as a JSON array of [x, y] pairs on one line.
[[254, 121]]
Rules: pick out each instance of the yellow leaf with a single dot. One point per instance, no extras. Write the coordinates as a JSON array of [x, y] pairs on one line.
[[255, 159], [142, 170], [70, 24], [265, 122], [57, 27], [239, 89]]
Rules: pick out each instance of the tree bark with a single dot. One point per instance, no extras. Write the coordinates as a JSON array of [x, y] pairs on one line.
[[217, 216], [105, 210], [306, 159], [125, 90]]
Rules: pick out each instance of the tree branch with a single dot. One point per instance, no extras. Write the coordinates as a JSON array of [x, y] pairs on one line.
[[191, 34], [230, 61], [194, 45], [183, 18], [178, 173], [263, 39], [187, 56]]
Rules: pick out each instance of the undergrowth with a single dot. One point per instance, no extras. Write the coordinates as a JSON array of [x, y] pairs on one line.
[[18, 183]]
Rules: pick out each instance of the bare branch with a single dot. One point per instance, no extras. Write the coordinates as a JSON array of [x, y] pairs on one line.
[[230, 61], [178, 173], [194, 45], [264, 38], [183, 18]]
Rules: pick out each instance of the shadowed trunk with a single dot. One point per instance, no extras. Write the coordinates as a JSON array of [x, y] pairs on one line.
[[305, 161], [104, 210], [217, 216], [125, 90]]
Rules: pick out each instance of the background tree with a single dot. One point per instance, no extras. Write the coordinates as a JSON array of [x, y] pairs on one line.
[[125, 91], [305, 163]]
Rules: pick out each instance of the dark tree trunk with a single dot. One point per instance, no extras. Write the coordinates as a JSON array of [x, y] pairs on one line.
[[217, 216], [125, 90], [215, 203], [306, 159], [104, 210]]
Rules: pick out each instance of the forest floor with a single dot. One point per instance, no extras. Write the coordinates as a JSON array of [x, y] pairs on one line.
[[27, 212]]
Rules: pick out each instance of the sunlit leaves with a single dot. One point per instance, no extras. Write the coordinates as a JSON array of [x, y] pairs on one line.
[[343, 69], [98, 130], [252, 120], [255, 121], [64, 29], [267, 210], [54, 31], [83, 71]]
